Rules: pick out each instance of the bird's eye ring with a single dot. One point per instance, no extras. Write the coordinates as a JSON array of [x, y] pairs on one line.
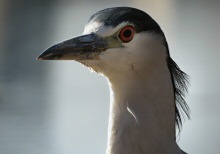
[[127, 33]]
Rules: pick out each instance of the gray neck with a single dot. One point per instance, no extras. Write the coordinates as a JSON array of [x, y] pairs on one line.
[[142, 113]]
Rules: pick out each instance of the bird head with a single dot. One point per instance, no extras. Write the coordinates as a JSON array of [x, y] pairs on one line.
[[124, 41], [118, 39]]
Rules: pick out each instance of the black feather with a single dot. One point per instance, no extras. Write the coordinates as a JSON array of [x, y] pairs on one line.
[[180, 81], [180, 85]]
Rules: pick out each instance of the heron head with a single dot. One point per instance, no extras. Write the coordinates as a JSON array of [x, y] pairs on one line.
[[123, 41], [114, 40]]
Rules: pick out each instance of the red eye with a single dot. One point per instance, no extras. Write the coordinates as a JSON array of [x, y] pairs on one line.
[[127, 33]]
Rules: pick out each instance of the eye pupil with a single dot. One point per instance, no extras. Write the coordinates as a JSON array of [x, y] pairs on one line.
[[127, 33]]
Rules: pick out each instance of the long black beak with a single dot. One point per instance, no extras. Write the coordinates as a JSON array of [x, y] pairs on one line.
[[79, 48]]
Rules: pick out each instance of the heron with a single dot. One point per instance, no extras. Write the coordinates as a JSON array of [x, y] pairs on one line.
[[147, 88]]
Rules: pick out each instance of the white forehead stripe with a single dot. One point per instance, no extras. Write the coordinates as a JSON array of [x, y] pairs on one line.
[[102, 30], [92, 27]]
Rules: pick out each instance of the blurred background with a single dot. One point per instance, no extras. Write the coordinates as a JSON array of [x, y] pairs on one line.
[[60, 107]]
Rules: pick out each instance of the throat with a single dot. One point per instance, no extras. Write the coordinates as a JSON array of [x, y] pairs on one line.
[[142, 114]]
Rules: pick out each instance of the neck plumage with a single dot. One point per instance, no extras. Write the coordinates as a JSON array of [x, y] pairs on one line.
[[142, 112]]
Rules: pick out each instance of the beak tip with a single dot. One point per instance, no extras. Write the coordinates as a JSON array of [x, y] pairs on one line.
[[39, 58], [74, 48]]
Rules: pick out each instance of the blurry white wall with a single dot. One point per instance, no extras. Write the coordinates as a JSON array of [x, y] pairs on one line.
[[75, 102]]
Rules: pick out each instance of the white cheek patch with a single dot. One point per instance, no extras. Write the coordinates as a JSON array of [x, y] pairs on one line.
[[145, 48]]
